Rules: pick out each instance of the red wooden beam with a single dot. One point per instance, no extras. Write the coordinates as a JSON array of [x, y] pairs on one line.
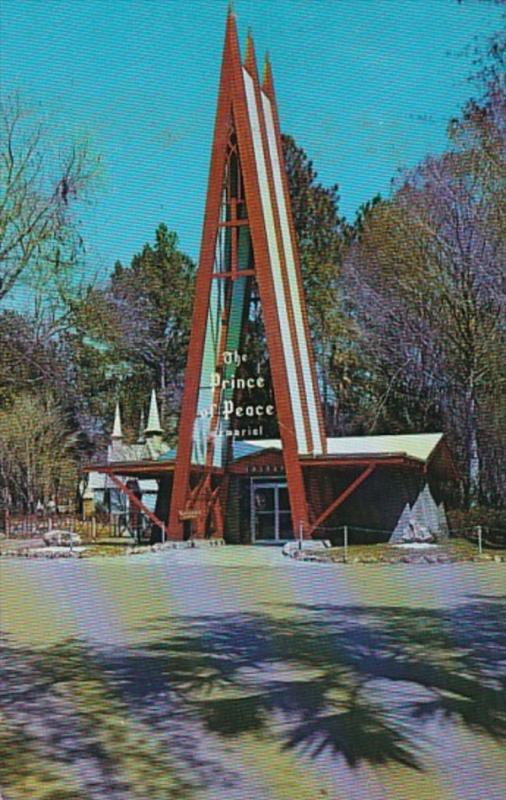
[[203, 284], [352, 461], [233, 109], [265, 280], [342, 497], [138, 503]]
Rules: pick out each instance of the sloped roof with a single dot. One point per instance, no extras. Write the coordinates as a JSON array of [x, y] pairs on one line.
[[120, 451], [100, 481], [149, 450], [413, 445]]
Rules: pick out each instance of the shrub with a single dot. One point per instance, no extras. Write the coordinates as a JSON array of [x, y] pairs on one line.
[[492, 521]]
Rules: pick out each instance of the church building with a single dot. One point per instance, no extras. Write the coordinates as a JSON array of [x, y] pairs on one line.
[[253, 462]]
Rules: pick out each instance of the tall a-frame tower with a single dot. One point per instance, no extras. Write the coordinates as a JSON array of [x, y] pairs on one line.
[[248, 254]]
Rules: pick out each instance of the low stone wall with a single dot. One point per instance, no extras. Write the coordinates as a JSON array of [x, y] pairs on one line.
[[404, 558], [37, 551]]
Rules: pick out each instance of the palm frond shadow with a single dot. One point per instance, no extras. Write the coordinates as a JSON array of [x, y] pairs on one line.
[[356, 683], [432, 665]]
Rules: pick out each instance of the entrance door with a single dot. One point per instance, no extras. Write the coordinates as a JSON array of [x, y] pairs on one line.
[[270, 512]]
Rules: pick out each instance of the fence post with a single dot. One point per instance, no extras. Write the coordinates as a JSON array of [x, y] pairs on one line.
[[480, 541], [93, 527], [345, 544], [301, 534]]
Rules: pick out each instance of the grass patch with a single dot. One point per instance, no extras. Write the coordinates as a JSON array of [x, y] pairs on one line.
[[454, 550]]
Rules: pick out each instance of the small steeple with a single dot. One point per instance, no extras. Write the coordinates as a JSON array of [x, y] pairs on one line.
[[267, 83], [153, 427], [249, 58], [116, 430]]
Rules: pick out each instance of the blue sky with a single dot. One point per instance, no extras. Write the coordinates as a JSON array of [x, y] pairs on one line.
[[365, 86]]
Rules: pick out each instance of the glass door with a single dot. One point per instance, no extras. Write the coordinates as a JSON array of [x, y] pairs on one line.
[[270, 512]]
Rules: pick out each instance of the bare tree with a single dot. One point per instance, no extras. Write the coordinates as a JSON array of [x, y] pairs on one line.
[[37, 451], [39, 185], [427, 277]]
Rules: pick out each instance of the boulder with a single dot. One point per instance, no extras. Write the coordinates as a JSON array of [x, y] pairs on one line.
[[415, 533], [296, 546], [60, 538]]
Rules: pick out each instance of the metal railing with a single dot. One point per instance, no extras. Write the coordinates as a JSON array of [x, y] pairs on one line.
[[485, 537], [120, 525]]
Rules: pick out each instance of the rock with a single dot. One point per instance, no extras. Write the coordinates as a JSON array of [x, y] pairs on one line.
[[289, 548], [59, 538], [417, 533]]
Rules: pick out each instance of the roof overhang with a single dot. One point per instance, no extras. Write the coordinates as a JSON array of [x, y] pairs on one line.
[[363, 459], [134, 469]]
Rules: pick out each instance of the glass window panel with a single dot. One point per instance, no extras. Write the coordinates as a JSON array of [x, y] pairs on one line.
[[244, 248], [222, 259], [283, 499], [265, 528], [233, 175], [225, 208], [285, 525], [264, 499], [216, 386]]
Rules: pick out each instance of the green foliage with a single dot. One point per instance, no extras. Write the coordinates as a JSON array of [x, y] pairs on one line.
[[130, 336], [465, 521], [320, 234], [152, 301]]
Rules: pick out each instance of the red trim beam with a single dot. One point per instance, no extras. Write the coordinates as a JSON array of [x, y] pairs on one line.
[[359, 480], [139, 504]]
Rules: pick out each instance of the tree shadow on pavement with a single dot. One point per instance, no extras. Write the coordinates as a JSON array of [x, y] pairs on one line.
[[66, 733], [351, 680], [152, 720]]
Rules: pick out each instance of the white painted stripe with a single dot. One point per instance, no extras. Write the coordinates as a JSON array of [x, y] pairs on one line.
[[279, 289], [292, 279]]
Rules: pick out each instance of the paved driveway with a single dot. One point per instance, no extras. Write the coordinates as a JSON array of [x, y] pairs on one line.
[[236, 673]]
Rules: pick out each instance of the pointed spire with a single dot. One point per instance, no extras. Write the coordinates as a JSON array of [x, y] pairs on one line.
[[116, 430], [141, 438], [249, 58], [153, 427], [231, 26], [267, 82]]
